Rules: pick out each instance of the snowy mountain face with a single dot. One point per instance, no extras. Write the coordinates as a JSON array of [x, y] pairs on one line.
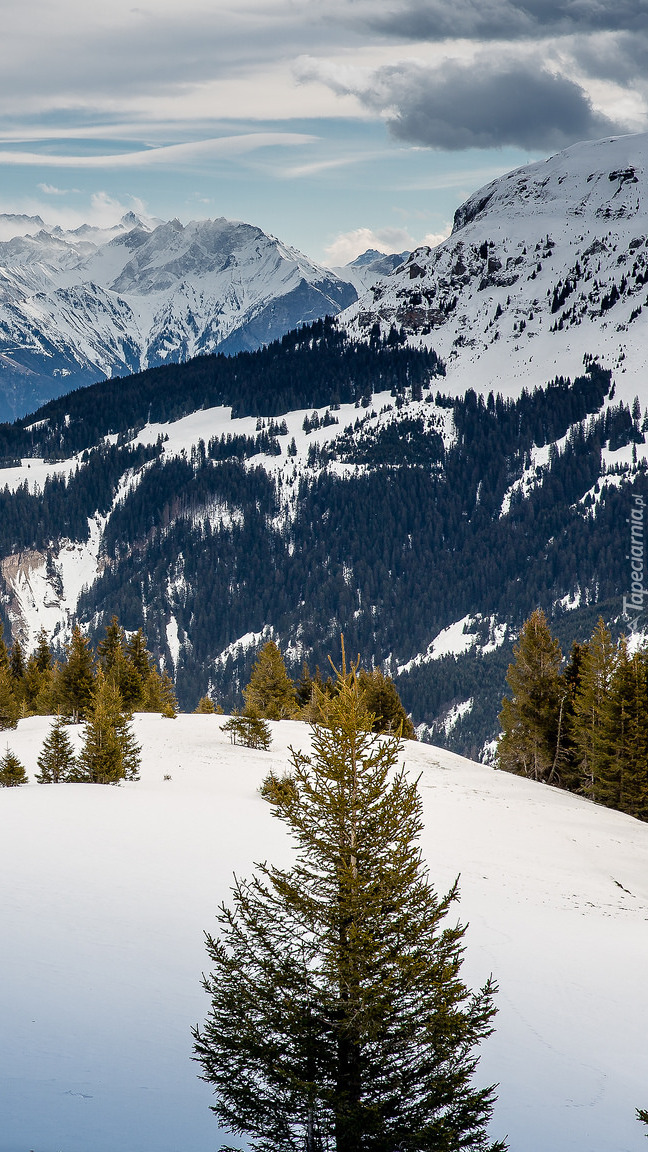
[[544, 266], [321, 486], [371, 266], [81, 305]]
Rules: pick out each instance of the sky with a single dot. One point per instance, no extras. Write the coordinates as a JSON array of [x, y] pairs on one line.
[[337, 125]]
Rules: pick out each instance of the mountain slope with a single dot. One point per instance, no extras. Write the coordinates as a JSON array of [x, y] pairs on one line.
[[107, 893], [544, 265], [78, 306], [227, 500]]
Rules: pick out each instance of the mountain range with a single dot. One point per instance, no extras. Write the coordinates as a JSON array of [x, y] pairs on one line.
[[457, 447], [77, 306]]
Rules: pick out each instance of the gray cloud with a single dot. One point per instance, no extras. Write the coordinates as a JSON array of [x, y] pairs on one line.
[[484, 105], [622, 58], [509, 19]]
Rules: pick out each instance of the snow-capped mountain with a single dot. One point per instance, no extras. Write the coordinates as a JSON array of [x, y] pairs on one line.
[[543, 266], [369, 267], [90, 303]]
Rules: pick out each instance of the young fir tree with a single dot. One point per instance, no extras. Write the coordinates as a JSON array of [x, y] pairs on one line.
[[249, 730], [585, 734], [339, 1020], [532, 721], [77, 679], [270, 693], [109, 752], [12, 772], [57, 762], [205, 707]]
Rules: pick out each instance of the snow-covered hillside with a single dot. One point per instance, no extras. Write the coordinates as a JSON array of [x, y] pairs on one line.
[[107, 892], [544, 266], [79, 305]]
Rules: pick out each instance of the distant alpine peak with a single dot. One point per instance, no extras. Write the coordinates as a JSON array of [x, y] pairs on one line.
[[545, 266], [82, 304]]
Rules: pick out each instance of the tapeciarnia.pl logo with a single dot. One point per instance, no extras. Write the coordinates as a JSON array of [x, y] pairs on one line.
[[633, 604]]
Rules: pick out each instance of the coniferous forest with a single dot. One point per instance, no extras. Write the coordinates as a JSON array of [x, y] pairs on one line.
[[395, 530]]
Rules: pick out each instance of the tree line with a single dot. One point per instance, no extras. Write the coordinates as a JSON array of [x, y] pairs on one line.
[[580, 723], [101, 691]]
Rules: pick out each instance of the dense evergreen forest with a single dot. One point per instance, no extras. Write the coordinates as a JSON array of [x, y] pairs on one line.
[[413, 533], [312, 367]]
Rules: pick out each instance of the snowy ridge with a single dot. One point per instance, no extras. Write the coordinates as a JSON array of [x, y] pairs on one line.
[[108, 891], [76, 306], [544, 266], [457, 639]]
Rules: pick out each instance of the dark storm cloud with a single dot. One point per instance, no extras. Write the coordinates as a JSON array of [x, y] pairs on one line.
[[484, 105], [509, 19]]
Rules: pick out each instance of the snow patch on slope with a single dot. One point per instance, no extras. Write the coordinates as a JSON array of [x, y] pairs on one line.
[[107, 893]]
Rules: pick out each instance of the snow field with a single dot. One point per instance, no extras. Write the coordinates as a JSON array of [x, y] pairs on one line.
[[107, 891]]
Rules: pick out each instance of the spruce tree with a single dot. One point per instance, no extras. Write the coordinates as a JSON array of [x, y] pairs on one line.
[[205, 707], [159, 695], [57, 762], [109, 752], [621, 778], [12, 772], [270, 693], [532, 720], [249, 730], [385, 703], [586, 728], [339, 1020], [77, 680]]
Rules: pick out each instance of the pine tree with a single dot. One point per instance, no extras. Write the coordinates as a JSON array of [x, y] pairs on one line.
[[270, 693], [77, 680], [339, 1020], [532, 721], [12, 772], [9, 709], [57, 762], [109, 752]]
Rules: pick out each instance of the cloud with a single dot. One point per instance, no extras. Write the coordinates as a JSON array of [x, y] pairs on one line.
[[489, 102], [348, 245], [170, 155], [507, 20]]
